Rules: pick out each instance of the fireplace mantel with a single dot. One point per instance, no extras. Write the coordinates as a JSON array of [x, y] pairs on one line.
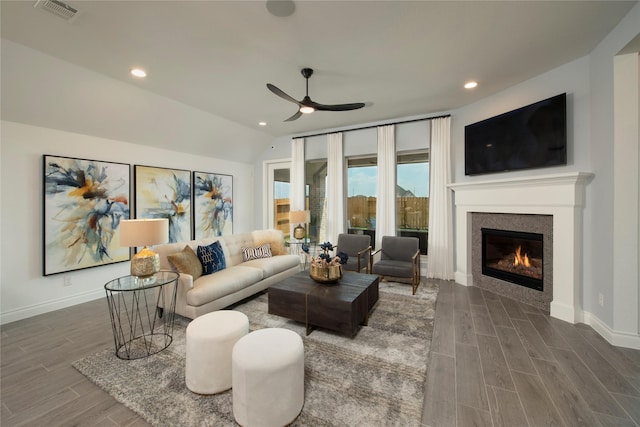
[[559, 195]]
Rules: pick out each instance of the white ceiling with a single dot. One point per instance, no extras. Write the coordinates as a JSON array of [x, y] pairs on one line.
[[402, 58]]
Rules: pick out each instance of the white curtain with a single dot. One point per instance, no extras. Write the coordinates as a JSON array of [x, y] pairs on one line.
[[335, 188], [440, 258], [386, 200], [297, 195]]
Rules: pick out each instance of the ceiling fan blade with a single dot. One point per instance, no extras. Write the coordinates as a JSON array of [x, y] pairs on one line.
[[281, 94], [294, 117], [338, 107], [307, 102]]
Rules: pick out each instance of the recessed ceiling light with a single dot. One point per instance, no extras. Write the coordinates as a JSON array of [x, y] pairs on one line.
[[138, 72], [470, 85], [262, 123]]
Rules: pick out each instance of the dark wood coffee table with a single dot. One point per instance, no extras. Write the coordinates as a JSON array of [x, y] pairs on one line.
[[339, 307]]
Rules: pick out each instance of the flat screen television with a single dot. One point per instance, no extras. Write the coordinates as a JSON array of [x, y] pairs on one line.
[[530, 137]]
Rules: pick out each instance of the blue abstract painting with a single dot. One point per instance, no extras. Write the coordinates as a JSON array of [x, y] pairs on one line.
[[84, 201], [213, 198], [165, 193]]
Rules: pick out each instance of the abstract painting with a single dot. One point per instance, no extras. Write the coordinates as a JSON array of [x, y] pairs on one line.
[[213, 204], [165, 193], [84, 201]]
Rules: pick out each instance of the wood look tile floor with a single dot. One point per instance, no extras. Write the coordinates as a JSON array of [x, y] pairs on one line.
[[497, 362], [494, 362]]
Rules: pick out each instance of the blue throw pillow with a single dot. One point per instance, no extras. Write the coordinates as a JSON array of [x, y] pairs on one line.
[[211, 257]]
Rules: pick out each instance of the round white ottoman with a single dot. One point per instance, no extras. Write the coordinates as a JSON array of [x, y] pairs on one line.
[[268, 378], [210, 341]]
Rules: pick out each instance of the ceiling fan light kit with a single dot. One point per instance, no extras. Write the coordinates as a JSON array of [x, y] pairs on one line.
[[306, 105]]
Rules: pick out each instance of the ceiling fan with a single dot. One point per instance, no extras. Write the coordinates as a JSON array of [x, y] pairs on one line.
[[308, 106]]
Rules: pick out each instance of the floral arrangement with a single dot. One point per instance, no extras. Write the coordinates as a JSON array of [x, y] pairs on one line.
[[325, 259]]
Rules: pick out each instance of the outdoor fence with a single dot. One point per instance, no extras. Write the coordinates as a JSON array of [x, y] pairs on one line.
[[412, 213]]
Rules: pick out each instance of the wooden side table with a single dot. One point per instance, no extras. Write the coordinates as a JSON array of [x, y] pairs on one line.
[[139, 327]]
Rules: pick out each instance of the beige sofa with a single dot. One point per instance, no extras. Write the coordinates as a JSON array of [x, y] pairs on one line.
[[238, 280]]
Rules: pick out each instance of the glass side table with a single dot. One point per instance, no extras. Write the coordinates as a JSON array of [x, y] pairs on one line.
[[142, 311], [295, 248]]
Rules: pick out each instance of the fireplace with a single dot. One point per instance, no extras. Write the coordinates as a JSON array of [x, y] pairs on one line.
[[502, 233], [554, 204], [513, 256]]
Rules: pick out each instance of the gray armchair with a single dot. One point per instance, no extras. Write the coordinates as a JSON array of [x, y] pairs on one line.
[[358, 247], [400, 257]]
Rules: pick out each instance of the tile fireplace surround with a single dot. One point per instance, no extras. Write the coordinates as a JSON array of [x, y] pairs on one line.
[[540, 224], [558, 195]]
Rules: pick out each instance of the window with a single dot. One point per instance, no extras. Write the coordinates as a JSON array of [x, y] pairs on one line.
[[412, 196], [362, 183], [315, 175]]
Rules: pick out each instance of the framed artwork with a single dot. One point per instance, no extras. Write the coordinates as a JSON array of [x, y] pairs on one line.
[[213, 204], [84, 201], [165, 193]]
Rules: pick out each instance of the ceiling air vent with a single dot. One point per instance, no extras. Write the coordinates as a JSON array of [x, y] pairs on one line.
[[58, 8]]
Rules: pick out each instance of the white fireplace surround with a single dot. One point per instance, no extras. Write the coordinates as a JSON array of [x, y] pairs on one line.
[[560, 195]]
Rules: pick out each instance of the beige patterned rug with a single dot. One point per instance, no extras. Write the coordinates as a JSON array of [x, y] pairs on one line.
[[374, 379]]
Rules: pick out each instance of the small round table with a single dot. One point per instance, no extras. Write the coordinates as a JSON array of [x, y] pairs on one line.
[[142, 311], [297, 243]]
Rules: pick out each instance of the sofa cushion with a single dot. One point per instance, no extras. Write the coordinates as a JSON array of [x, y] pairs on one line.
[[274, 237], [263, 251], [186, 261], [234, 244], [211, 257], [274, 265], [214, 286]]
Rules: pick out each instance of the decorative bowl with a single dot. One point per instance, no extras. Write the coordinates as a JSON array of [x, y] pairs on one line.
[[326, 274]]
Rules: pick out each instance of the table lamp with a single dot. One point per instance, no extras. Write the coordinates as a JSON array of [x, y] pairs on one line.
[[144, 232], [299, 217]]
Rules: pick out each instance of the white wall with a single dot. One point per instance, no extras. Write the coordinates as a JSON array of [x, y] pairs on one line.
[[603, 188], [24, 290], [589, 84], [627, 179], [572, 79]]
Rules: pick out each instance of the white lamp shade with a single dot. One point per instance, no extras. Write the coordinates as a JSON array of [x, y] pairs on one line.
[[144, 232], [299, 217]]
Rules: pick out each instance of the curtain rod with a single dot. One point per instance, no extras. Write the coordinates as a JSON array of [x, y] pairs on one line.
[[374, 126]]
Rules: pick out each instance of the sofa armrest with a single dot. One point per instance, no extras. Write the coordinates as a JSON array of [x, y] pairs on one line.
[[185, 281]]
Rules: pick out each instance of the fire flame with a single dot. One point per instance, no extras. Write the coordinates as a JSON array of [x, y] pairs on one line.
[[521, 259]]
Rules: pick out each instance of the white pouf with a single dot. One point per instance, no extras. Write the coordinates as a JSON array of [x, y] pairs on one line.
[[268, 378], [210, 341]]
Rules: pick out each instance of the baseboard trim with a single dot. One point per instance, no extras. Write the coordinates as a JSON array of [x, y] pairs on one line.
[[463, 278], [36, 309], [617, 338], [563, 312]]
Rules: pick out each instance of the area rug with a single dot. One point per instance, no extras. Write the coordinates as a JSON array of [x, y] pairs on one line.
[[374, 379]]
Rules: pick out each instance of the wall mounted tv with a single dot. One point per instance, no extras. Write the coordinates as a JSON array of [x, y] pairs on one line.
[[530, 137]]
